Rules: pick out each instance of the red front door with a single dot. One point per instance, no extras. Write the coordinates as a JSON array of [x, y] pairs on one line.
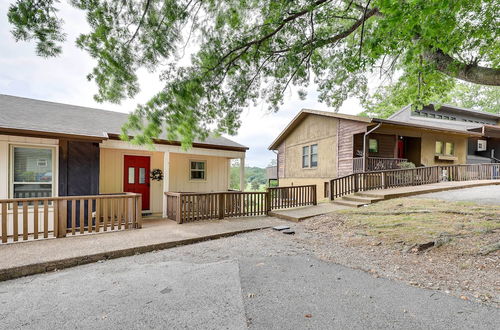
[[136, 177], [401, 149]]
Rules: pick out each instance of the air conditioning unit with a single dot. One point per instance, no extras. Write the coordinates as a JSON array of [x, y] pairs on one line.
[[481, 145]]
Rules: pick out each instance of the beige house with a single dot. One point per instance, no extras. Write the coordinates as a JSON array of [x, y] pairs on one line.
[[50, 149], [318, 146]]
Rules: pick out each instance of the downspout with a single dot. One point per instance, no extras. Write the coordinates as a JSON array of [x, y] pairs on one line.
[[364, 144]]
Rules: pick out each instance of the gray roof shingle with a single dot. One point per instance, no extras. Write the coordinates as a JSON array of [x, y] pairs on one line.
[[51, 117]]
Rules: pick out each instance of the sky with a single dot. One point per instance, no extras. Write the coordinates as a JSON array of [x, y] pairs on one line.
[[63, 79]]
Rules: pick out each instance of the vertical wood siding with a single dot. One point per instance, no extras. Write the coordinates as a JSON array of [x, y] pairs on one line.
[[346, 131]]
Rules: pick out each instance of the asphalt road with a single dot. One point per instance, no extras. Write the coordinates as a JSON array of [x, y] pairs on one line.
[[487, 195], [259, 280]]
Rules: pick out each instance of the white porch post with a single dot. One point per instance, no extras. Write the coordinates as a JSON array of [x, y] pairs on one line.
[[166, 176], [242, 173]]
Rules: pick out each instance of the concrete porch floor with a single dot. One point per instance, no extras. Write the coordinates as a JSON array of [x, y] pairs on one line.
[[32, 257]]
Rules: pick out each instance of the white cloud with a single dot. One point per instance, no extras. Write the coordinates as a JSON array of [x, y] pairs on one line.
[[63, 79]]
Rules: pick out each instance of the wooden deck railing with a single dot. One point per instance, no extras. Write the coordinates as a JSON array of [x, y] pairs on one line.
[[188, 207], [294, 196], [376, 164], [46, 217], [411, 177]]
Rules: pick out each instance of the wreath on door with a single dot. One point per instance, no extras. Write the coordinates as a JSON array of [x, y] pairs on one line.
[[156, 174]]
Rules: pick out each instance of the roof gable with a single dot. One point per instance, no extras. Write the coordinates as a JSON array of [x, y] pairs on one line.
[[306, 112]]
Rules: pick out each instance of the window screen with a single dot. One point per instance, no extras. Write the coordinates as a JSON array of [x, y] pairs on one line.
[[32, 175]]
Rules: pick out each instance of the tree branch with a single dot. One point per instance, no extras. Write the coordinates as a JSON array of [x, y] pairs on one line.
[[468, 72], [140, 22]]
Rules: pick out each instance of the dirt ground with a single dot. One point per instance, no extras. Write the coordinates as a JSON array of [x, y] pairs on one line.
[[449, 246]]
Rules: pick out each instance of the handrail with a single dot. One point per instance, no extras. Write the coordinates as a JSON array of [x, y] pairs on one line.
[[59, 198], [59, 216], [191, 206], [382, 179]]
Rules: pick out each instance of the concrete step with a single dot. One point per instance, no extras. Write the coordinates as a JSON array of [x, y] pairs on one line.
[[344, 202], [362, 199], [369, 194]]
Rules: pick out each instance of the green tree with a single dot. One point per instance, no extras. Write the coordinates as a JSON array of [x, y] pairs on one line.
[[389, 99], [255, 49], [486, 98], [255, 185]]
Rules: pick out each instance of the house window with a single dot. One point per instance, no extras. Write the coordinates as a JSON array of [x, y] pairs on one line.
[[314, 155], [439, 147], [449, 149], [443, 148], [305, 157], [197, 170], [373, 145], [31, 172]]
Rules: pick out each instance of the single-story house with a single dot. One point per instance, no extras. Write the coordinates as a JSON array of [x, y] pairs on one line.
[[318, 146], [52, 149]]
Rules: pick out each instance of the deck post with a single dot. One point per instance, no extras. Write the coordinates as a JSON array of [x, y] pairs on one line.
[[178, 209], [242, 173], [268, 201], [138, 208], [222, 203], [315, 200], [62, 214]]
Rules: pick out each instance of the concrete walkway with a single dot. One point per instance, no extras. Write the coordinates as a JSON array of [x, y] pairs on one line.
[[301, 213], [428, 188], [32, 257], [485, 195]]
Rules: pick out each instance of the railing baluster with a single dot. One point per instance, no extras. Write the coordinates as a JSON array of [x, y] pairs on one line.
[[15, 219]]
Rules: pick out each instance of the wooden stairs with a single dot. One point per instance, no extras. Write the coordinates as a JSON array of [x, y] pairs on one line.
[[358, 199]]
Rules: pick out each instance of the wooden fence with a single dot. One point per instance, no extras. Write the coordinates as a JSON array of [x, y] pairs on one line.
[[188, 207], [376, 164], [295, 196], [48, 217], [411, 177]]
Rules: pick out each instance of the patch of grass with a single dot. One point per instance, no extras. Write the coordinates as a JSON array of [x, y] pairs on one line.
[[421, 220]]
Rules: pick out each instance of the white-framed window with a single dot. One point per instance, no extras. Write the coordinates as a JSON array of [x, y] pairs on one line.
[[32, 171], [310, 156], [481, 145], [197, 170], [314, 155], [305, 156]]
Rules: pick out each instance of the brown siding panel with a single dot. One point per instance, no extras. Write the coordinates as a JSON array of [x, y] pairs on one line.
[[281, 160], [347, 129]]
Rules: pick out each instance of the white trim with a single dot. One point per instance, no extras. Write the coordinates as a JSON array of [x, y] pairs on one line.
[[115, 144], [55, 165], [205, 170]]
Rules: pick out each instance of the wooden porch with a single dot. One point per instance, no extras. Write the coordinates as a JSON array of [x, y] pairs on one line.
[[55, 217], [189, 207], [367, 181]]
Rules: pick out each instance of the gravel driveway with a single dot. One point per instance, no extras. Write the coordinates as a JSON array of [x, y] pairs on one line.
[[488, 195], [258, 280]]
